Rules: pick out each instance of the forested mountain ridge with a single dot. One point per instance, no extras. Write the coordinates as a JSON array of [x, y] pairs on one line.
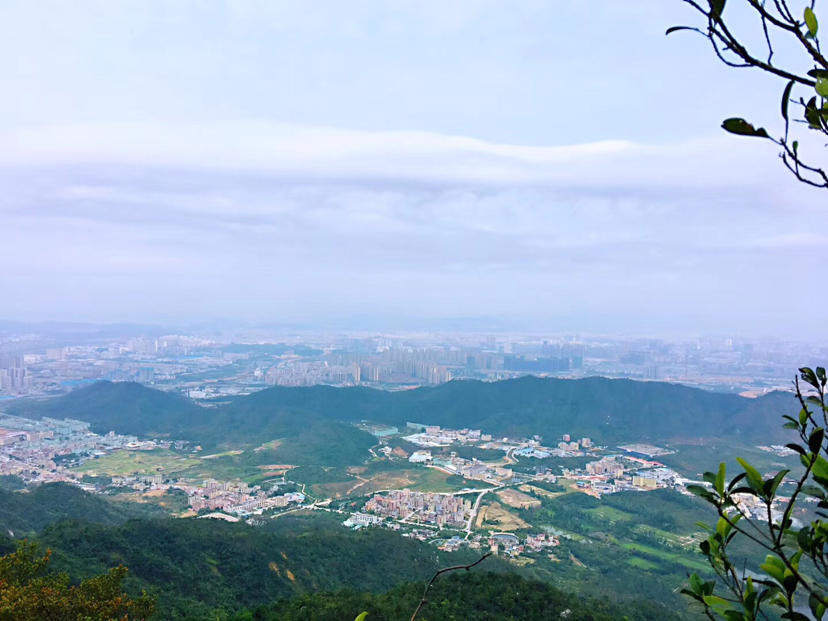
[[611, 409]]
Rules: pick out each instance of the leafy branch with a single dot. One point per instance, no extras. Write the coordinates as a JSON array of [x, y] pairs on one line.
[[780, 23], [795, 565]]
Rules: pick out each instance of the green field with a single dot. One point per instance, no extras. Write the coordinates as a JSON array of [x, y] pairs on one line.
[[692, 460], [641, 563], [609, 514], [125, 463], [671, 539], [664, 555]]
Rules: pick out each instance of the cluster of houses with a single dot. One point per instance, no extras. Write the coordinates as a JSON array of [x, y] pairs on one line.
[[510, 544], [431, 508], [434, 435], [28, 448], [616, 473]]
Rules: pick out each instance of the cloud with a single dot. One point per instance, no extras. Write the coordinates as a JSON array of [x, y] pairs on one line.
[[260, 219], [335, 154]]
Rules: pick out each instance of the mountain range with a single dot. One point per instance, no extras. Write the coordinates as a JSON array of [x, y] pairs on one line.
[[613, 410]]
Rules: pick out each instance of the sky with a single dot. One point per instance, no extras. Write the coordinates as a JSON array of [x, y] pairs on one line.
[[546, 164]]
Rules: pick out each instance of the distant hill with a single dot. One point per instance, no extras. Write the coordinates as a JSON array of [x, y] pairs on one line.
[[26, 512], [125, 407], [605, 409]]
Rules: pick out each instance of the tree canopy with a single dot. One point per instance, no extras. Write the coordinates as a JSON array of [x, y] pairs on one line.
[[28, 591]]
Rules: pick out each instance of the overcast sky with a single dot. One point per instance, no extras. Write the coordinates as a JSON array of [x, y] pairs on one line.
[[554, 164]]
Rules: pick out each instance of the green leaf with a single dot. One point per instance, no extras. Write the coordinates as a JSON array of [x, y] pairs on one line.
[[718, 604], [786, 97], [703, 492], [820, 468], [812, 115], [822, 87], [741, 127], [815, 441], [774, 567], [807, 374], [796, 447], [735, 481], [723, 527], [362, 616], [677, 28], [716, 7], [811, 22], [803, 538], [720, 479], [753, 477], [817, 609], [771, 485]]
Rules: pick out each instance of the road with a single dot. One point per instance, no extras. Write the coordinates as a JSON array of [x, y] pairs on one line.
[[475, 509]]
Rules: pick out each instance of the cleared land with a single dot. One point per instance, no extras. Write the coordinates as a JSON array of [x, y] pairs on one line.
[[125, 463], [642, 563], [664, 555], [609, 514], [539, 491], [496, 517], [417, 479], [690, 541], [517, 499]]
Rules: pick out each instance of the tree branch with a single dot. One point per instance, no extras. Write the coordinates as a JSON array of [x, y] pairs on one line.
[[424, 601]]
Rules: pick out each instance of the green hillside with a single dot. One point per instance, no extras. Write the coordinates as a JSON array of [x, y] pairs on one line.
[[196, 566], [299, 563], [25, 512], [297, 567], [124, 407]]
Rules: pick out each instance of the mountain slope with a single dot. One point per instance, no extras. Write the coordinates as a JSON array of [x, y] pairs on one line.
[[196, 566], [479, 594], [23, 513], [125, 407]]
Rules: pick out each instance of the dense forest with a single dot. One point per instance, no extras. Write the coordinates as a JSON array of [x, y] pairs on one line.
[[24, 513], [490, 596], [307, 564]]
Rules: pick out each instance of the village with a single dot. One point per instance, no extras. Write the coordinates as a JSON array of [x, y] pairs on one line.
[[52, 451], [476, 516]]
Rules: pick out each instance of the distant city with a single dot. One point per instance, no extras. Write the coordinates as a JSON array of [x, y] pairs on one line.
[[39, 362]]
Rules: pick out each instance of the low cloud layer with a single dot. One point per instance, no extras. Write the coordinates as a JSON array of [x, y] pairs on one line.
[[287, 223]]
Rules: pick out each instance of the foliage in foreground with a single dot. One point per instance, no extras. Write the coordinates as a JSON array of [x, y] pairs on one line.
[[795, 571], [790, 26], [28, 591]]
